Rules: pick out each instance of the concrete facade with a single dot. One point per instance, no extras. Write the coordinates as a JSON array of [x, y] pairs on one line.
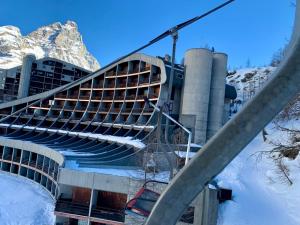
[[196, 91], [78, 116], [217, 94], [25, 75]]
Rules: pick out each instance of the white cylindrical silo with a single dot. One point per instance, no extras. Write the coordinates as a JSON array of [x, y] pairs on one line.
[[196, 91], [25, 75], [217, 94]]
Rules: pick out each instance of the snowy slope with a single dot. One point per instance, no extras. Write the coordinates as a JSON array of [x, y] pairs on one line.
[[249, 81], [24, 202], [61, 41], [261, 195]]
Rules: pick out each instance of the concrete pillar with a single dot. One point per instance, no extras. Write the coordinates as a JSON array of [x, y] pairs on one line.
[[226, 112], [25, 75], [217, 94], [196, 91], [206, 207]]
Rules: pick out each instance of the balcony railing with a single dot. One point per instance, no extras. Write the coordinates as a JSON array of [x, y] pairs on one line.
[[93, 109], [139, 97], [117, 110], [66, 206], [110, 73], [132, 84], [130, 97], [32, 163], [61, 96], [7, 157], [74, 96], [121, 85], [71, 107], [110, 85], [155, 79], [145, 68], [120, 97], [123, 72], [85, 97], [98, 97], [108, 214], [58, 107], [107, 97], [86, 85], [98, 85], [144, 82]]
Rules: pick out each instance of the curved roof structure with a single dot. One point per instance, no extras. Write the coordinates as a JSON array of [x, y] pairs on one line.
[[100, 119]]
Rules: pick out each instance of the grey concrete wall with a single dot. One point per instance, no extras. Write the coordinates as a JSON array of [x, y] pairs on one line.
[[217, 94], [206, 210], [196, 90], [206, 203], [25, 75], [97, 181]]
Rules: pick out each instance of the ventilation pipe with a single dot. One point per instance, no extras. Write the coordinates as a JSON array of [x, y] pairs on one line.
[[25, 75], [196, 92], [217, 94]]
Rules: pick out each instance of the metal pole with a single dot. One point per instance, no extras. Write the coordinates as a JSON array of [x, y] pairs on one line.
[[188, 148], [179, 124], [175, 38], [232, 138], [170, 87]]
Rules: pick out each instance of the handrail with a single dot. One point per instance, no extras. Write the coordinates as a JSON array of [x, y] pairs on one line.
[[233, 137], [188, 148]]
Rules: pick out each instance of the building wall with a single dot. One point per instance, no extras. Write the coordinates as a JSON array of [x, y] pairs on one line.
[[45, 74], [129, 186]]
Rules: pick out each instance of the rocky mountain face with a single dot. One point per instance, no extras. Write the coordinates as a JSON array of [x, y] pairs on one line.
[[249, 81], [60, 41]]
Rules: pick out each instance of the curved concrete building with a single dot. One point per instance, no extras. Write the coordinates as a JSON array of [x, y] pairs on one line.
[[83, 116], [196, 92], [78, 140], [25, 75], [217, 94]]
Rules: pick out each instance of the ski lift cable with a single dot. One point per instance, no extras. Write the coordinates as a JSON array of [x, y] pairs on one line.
[[153, 41], [172, 31]]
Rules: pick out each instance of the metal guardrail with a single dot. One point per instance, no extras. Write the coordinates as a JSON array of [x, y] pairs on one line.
[[65, 206], [233, 137]]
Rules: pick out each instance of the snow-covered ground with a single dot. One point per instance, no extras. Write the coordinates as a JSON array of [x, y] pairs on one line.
[[23, 202], [260, 194]]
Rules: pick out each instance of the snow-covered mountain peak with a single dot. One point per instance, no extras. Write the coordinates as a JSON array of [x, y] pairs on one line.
[[10, 30], [61, 41]]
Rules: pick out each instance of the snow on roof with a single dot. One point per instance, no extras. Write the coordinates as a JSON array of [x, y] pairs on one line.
[[69, 152], [118, 139], [182, 154], [132, 173]]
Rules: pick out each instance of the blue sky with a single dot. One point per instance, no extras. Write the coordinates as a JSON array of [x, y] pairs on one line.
[[244, 30]]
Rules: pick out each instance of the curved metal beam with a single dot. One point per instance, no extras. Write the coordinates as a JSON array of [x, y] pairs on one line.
[[234, 136]]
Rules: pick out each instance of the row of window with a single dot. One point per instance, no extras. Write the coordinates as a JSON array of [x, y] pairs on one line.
[[32, 159]]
